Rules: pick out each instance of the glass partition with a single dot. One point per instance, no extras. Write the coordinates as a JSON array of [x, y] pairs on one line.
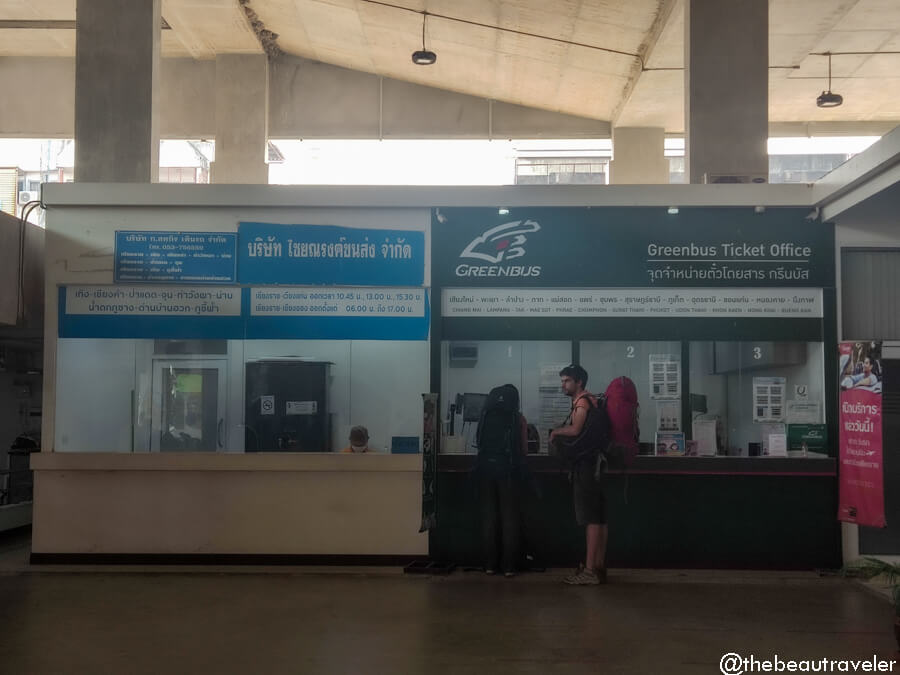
[[655, 369], [762, 398], [469, 370], [119, 395]]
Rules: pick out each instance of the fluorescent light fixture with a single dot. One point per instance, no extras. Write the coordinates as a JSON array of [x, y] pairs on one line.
[[503, 211], [673, 211]]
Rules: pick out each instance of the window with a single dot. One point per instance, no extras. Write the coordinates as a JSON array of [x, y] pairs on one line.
[[471, 369], [655, 369], [236, 396], [562, 170], [752, 391]]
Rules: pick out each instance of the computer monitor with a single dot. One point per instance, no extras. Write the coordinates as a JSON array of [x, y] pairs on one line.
[[472, 405]]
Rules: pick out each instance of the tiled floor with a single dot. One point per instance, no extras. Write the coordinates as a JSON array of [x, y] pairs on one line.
[[295, 620]]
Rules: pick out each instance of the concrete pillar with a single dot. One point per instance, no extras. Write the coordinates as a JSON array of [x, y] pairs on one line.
[[638, 156], [116, 85], [726, 85], [242, 119]]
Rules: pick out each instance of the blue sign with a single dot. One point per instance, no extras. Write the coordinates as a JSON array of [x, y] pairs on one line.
[[232, 313], [175, 257], [327, 254], [147, 312]]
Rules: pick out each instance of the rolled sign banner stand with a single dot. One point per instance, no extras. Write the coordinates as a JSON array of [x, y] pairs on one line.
[[429, 459]]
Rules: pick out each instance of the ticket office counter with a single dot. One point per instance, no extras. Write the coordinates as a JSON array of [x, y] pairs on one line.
[[737, 387], [726, 510], [196, 411]]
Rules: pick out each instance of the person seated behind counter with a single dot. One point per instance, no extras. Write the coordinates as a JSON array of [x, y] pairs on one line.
[[359, 440]]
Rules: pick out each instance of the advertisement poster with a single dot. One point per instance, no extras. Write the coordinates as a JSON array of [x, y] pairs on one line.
[[861, 474]]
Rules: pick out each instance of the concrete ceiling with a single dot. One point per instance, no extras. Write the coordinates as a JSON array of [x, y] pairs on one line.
[[532, 71]]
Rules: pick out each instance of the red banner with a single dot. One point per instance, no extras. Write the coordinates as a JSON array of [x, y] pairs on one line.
[[862, 483]]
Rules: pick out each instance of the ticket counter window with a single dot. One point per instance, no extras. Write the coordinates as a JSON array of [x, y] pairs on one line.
[[759, 398], [654, 367], [470, 369], [123, 395]]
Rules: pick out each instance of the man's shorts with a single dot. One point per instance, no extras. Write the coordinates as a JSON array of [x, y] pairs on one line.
[[590, 500]]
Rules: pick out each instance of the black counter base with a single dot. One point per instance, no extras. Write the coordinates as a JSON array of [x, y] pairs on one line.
[[750, 521]]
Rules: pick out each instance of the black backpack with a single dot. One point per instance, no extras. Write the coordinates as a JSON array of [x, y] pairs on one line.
[[499, 435], [593, 439]]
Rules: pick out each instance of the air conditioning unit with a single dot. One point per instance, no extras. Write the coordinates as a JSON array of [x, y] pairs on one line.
[[725, 178], [463, 355], [26, 196]]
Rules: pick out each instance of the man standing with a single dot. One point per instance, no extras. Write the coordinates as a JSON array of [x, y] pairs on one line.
[[590, 501]]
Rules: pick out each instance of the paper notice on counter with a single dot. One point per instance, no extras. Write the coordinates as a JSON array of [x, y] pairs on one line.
[[704, 432], [777, 445], [771, 430]]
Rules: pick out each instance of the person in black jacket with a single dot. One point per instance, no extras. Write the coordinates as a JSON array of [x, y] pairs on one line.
[[502, 440]]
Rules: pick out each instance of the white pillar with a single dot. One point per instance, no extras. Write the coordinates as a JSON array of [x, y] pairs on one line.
[[726, 87], [116, 91], [242, 119], [638, 156]]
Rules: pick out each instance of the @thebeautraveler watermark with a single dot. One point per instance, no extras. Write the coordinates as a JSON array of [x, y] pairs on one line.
[[735, 664]]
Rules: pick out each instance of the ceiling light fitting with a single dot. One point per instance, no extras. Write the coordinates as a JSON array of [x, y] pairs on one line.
[[827, 99], [424, 57]]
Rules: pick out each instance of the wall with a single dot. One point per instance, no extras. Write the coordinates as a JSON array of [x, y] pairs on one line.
[[876, 231], [228, 504]]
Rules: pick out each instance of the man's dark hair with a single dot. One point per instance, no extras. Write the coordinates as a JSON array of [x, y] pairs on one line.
[[576, 372]]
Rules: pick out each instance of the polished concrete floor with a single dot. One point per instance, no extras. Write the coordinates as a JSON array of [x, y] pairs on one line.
[[163, 620]]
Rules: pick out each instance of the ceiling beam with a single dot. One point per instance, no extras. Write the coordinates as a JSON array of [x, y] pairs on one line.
[[646, 51], [50, 24]]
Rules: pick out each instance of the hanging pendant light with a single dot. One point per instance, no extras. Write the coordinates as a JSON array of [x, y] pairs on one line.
[[827, 99], [424, 57]]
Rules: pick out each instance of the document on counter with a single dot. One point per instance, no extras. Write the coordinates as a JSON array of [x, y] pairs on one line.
[[777, 445]]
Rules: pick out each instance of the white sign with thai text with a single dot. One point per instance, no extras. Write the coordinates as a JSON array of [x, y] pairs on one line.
[[342, 301], [803, 303], [152, 301]]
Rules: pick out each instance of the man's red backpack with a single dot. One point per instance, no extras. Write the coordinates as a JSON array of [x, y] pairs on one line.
[[622, 409]]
